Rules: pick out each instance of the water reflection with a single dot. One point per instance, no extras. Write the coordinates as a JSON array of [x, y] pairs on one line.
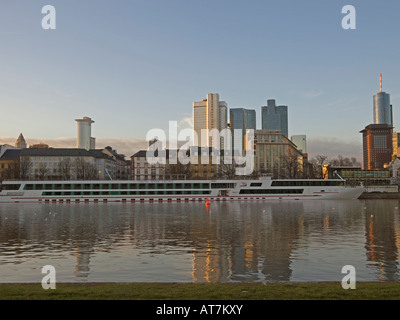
[[382, 238], [240, 241]]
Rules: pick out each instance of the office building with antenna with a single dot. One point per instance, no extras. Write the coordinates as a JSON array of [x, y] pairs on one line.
[[383, 113]]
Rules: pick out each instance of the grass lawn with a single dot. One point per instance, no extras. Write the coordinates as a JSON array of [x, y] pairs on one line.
[[202, 291]]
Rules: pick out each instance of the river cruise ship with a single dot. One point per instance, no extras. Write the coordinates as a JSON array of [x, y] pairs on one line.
[[261, 189]]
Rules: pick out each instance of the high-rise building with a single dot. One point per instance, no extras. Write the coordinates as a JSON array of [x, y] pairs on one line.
[[301, 142], [208, 114], [377, 145], [383, 113], [274, 117], [84, 138], [242, 119]]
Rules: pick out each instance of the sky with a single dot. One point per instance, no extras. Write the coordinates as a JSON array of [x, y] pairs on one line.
[[133, 66]]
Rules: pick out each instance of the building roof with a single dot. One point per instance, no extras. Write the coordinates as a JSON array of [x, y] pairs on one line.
[[376, 126], [55, 152], [11, 154], [98, 153], [114, 153]]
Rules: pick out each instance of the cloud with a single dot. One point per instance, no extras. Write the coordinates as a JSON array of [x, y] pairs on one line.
[[332, 147], [185, 123]]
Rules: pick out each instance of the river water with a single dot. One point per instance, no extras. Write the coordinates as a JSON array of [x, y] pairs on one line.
[[188, 242]]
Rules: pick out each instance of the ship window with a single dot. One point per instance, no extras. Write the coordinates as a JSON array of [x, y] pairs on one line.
[[271, 191], [222, 185], [11, 186], [256, 184]]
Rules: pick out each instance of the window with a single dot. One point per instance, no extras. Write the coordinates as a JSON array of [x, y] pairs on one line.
[[256, 184], [380, 142], [11, 186]]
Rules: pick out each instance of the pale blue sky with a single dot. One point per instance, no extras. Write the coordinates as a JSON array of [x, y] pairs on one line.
[[134, 65]]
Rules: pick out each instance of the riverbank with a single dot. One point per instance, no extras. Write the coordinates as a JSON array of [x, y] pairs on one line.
[[202, 291], [379, 195]]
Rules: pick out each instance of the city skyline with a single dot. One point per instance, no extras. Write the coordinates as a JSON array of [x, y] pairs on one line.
[[133, 66]]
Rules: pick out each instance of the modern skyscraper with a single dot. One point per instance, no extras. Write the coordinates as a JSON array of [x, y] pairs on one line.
[[274, 117], [243, 119], [208, 114], [383, 113], [377, 145], [84, 138]]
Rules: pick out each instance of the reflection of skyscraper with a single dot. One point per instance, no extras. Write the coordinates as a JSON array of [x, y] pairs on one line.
[[382, 240], [275, 117], [242, 119], [383, 113]]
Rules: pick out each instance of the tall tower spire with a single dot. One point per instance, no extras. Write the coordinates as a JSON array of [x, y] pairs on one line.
[[20, 143], [383, 113]]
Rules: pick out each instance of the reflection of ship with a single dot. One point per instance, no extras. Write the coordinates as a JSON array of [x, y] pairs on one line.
[[264, 188]]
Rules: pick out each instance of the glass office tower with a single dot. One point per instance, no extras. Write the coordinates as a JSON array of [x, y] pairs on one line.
[[242, 119], [383, 113], [274, 117]]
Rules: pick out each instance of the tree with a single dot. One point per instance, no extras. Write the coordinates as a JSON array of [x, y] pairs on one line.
[[13, 170], [25, 165], [178, 170], [64, 168], [317, 163], [85, 170], [42, 171], [292, 165], [227, 168], [341, 161]]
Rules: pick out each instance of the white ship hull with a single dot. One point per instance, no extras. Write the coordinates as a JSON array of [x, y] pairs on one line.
[[174, 191]]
